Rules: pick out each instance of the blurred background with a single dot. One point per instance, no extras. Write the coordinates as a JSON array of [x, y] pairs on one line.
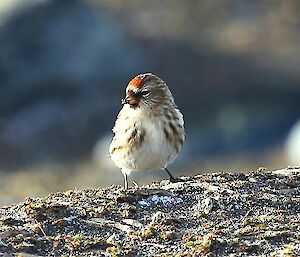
[[233, 68]]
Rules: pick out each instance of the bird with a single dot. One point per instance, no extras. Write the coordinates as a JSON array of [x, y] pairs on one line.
[[149, 129]]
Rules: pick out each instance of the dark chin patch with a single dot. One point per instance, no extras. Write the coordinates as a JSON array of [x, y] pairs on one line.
[[134, 106]]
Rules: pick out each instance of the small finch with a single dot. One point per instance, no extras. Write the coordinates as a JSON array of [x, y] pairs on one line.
[[148, 132]]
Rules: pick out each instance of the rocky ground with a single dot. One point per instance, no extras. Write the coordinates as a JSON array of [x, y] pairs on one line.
[[220, 214]]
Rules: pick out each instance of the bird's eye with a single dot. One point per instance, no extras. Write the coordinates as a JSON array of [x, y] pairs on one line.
[[142, 94], [145, 93]]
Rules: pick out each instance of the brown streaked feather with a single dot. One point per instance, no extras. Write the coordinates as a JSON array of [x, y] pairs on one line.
[[173, 136], [174, 129], [132, 136], [168, 135], [137, 138], [141, 137], [117, 148]]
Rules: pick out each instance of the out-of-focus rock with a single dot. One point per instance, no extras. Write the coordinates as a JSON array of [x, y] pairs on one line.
[[101, 158], [63, 65], [292, 145]]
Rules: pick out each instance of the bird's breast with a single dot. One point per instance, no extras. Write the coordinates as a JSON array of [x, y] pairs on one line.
[[141, 141]]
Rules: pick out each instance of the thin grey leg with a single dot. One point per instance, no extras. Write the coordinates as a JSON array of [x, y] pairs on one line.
[[172, 179], [125, 182]]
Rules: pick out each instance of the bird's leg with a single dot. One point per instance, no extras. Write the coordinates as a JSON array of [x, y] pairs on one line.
[[125, 181], [172, 179]]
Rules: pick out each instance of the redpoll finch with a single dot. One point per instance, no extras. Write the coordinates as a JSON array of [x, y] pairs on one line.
[[149, 129]]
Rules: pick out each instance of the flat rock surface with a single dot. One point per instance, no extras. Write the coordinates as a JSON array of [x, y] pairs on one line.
[[219, 214]]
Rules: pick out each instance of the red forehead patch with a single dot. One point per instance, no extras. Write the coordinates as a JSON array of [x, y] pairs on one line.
[[136, 82]]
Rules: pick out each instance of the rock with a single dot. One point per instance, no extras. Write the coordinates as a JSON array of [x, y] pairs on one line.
[[252, 219]]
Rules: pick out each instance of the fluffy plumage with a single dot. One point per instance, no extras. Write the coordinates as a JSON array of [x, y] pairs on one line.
[[148, 131]]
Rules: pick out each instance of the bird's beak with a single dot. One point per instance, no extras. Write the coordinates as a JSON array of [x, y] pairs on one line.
[[131, 99]]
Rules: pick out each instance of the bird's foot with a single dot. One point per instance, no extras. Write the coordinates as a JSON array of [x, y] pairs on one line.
[[176, 180], [172, 179]]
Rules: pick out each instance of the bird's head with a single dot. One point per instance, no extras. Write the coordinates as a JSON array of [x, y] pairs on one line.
[[147, 91]]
